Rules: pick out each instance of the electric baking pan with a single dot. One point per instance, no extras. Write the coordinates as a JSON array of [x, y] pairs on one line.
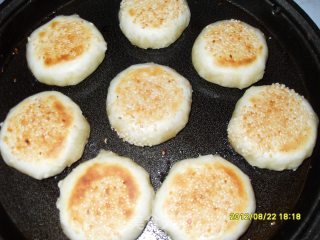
[[27, 206]]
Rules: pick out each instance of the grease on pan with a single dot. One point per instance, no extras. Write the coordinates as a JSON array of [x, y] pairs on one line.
[[65, 50], [148, 104], [108, 197], [198, 196], [153, 23], [273, 127], [43, 134], [230, 53]]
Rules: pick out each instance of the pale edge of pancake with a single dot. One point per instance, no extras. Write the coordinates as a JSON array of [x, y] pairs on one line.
[[155, 38], [72, 151], [70, 72], [165, 129], [237, 77], [276, 160], [144, 206], [164, 222]]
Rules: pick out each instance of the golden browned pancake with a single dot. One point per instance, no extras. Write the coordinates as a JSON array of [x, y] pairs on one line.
[[65, 50], [153, 23], [108, 197], [230, 53], [43, 134], [198, 197], [148, 104], [273, 127]]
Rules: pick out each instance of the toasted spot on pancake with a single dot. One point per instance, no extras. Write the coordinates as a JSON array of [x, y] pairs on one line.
[[42, 34], [148, 104], [198, 196], [54, 24], [236, 181], [273, 127], [231, 43], [108, 196], [38, 130], [111, 189], [132, 12], [61, 110], [63, 41], [152, 14], [148, 94]]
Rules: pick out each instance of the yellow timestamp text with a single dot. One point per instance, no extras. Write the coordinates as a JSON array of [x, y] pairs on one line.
[[266, 216]]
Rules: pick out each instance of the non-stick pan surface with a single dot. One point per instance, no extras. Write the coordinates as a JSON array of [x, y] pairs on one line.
[[28, 209]]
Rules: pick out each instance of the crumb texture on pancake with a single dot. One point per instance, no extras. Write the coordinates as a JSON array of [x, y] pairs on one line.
[[148, 104], [230, 53], [108, 197], [144, 98], [43, 134], [198, 196], [153, 24], [209, 193], [273, 127], [103, 199], [233, 43], [39, 129], [152, 14], [63, 41], [65, 50]]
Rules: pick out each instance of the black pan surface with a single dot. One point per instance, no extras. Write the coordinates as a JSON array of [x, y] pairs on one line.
[[28, 208]]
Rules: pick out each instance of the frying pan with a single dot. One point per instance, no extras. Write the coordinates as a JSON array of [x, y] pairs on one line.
[[27, 206]]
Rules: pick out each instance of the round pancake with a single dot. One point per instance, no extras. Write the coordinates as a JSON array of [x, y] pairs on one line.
[[65, 50], [148, 104], [198, 198], [230, 53], [108, 197], [153, 23], [43, 134], [273, 127]]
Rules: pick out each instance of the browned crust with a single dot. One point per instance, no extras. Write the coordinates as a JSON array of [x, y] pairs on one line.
[[201, 199], [148, 94], [280, 117], [62, 41], [153, 14], [112, 190], [233, 44], [39, 129]]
